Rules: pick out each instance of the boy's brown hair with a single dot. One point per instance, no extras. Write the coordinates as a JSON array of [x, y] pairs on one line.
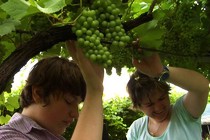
[[53, 75]]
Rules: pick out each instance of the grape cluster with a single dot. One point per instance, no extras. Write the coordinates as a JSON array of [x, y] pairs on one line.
[[110, 23], [101, 35], [89, 38], [183, 34]]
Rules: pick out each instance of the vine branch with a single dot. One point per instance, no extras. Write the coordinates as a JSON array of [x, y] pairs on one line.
[[42, 41]]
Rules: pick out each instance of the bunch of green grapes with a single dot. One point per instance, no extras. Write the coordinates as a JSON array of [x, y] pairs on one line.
[[89, 38], [183, 33], [110, 23], [101, 35], [111, 26]]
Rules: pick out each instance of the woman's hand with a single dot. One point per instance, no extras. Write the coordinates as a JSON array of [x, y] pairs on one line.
[[150, 65]]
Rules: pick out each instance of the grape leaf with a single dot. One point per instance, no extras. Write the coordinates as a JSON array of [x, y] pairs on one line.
[[2, 98], [12, 103], [149, 34], [139, 7], [8, 26], [151, 39], [50, 6], [18, 9], [3, 14], [7, 46], [4, 119]]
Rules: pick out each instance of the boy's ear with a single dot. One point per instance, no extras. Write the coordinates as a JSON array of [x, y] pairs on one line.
[[36, 94]]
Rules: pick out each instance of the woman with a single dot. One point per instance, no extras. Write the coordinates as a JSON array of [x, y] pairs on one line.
[[150, 94]]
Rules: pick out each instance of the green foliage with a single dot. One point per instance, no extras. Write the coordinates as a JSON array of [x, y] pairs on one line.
[[179, 29], [119, 116], [185, 34], [59, 48], [174, 97], [147, 32], [179, 32], [50, 6], [175, 93], [21, 8], [8, 106], [7, 26], [69, 131], [7, 48], [39, 22]]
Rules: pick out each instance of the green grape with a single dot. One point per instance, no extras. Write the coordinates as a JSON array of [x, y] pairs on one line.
[[109, 70], [102, 37], [81, 41], [84, 30], [82, 19], [79, 33], [93, 57], [183, 34]]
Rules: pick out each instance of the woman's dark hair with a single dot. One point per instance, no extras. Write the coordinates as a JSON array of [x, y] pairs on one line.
[[141, 85], [54, 76]]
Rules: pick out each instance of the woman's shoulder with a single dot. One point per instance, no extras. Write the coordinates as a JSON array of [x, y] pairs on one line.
[[140, 121]]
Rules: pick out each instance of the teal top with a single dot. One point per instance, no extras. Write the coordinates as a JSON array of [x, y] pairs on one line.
[[182, 126]]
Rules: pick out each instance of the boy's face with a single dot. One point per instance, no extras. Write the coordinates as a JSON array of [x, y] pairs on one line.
[[59, 114]]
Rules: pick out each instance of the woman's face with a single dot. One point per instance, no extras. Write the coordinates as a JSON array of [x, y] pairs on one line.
[[59, 114], [156, 105]]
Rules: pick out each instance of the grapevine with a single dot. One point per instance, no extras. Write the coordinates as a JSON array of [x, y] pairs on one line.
[[183, 34], [101, 35]]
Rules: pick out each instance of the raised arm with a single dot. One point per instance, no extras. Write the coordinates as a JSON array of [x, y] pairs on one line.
[[90, 121], [197, 86], [195, 83]]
